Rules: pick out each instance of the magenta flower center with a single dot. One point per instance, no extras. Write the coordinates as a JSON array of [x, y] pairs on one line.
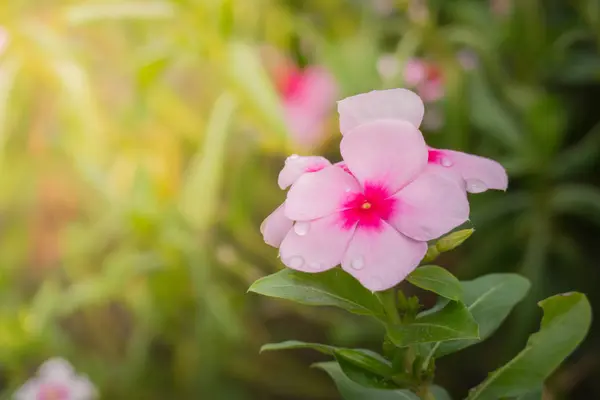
[[52, 391], [291, 84], [368, 209], [439, 157]]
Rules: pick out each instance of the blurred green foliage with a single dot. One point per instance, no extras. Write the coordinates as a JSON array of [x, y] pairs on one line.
[[140, 143]]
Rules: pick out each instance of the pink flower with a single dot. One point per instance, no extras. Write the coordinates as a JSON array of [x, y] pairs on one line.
[[375, 220], [56, 380], [478, 173], [501, 8], [427, 78], [307, 95]]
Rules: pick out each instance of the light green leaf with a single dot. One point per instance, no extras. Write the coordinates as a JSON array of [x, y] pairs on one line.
[[147, 9], [331, 288], [351, 390], [438, 280], [201, 190], [489, 299], [295, 344], [253, 86], [566, 321], [452, 322]]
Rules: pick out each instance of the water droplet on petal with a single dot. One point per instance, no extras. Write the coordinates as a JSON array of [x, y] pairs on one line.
[[348, 190], [301, 228], [358, 263], [292, 157], [295, 262], [476, 186], [446, 162]]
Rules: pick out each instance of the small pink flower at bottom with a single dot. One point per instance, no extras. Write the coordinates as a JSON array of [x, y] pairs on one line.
[[478, 174], [376, 220], [56, 380], [307, 96]]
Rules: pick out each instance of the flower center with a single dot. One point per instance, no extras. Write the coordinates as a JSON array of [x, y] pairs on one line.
[[440, 158], [53, 392], [369, 208]]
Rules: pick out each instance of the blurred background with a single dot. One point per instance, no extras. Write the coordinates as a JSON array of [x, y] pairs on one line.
[[140, 142]]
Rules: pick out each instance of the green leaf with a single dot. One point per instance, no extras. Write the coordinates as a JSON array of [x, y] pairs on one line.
[[438, 280], [367, 360], [331, 288], [566, 320], [295, 344], [489, 299], [351, 390], [363, 376], [363, 366], [452, 322]]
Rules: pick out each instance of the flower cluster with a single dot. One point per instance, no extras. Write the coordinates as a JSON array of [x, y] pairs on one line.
[[374, 212], [56, 380]]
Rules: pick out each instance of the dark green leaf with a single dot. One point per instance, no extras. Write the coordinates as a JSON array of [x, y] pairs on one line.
[[438, 280], [452, 322], [566, 320], [330, 288], [489, 299], [351, 390]]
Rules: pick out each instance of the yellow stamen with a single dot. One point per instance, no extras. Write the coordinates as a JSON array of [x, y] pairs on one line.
[[366, 205]]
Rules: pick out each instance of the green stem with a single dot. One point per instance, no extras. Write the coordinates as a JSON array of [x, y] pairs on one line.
[[425, 394], [388, 300]]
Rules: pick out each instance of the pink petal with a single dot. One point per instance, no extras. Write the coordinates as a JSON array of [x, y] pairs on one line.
[[431, 205], [479, 173], [399, 104], [295, 166], [388, 153], [319, 194], [315, 246], [276, 226], [381, 259], [306, 126]]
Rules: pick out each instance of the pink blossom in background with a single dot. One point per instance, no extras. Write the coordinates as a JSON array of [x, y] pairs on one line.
[[501, 8], [376, 220], [426, 78], [307, 95], [56, 380], [477, 173]]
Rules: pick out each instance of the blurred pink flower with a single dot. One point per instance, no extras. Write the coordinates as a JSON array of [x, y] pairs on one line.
[[501, 8], [56, 380], [426, 78], [376, 220], [478, 174], [308, 95], [4, 39]]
